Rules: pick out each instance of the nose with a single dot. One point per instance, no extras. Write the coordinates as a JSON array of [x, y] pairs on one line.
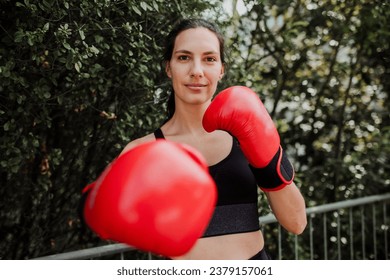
[[196, 70]]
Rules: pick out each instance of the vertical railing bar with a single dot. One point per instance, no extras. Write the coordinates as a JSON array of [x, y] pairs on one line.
[[363, 232], [311, 237], [374, 229], [351, 232], [279, 242], [338, 236], [385, 229], [296, 247], [325, 237], [262, 229], [122, 256]]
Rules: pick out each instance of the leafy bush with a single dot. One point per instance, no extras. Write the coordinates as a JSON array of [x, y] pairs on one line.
[[78, 80]]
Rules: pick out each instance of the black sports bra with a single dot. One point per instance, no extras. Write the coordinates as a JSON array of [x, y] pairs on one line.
[[236, 209]]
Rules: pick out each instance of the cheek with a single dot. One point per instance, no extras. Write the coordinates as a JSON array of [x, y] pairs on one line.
[[215, 75], [177, 66]]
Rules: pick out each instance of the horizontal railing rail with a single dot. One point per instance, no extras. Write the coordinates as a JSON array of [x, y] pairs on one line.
[[312, 212], [335, 222], [270, 218]]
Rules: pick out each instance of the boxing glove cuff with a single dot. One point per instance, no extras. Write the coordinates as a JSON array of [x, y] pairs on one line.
[[276, 175]]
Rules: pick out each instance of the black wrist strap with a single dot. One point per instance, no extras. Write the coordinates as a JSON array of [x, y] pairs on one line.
[[276, 175]]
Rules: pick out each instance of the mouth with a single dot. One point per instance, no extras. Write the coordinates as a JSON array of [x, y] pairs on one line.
[[195, 86]]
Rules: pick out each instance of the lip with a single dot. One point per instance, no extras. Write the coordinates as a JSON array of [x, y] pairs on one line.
[[195, 86]]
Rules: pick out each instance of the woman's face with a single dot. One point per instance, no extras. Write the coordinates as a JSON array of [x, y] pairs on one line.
[[195, 67]]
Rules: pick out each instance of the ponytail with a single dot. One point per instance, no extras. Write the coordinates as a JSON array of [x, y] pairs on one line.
[[171, 105]]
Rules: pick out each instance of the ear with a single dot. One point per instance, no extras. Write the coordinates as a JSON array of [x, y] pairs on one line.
[[222, 72], [168, 69]]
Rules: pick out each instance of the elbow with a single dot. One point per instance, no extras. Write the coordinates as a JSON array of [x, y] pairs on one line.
[[297, 226]]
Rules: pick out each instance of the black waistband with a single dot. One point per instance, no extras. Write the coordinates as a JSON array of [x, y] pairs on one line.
[[236, 218], [261, 255]]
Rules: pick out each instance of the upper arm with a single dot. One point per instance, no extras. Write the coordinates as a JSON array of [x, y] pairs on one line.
[[136, 142]]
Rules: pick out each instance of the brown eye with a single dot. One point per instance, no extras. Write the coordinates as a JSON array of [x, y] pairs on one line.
[[211, 59], [183, 57]]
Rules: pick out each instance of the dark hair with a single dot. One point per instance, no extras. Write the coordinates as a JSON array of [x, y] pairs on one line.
[[181, 26]]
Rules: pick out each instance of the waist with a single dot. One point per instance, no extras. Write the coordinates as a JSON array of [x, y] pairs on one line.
[[240, 246], [234, 218]]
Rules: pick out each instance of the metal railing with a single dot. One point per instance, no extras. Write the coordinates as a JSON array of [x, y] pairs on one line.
[[350, 229]]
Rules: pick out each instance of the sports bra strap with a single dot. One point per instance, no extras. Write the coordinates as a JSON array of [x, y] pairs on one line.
[[158, 134]]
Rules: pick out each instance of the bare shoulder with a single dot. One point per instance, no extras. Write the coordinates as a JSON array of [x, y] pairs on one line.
[[138, 141]]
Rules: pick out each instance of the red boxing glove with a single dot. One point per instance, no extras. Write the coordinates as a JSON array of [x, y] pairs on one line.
[[157, 197], [239, 111]]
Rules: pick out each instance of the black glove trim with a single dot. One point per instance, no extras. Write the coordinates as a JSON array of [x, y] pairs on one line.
[[276, 175]]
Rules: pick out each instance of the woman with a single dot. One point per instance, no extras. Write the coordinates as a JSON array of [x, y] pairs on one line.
[[195, 63]]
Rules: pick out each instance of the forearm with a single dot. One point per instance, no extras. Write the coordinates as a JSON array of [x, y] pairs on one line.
[[289, 208]]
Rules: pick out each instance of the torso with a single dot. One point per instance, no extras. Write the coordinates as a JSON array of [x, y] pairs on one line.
[[216, 147]]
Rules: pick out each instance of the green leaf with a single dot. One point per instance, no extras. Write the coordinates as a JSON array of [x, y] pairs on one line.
[[136, 10], [46, 27], [77, 66], [144, 6], [6, 126], [82, 35], [66, 45]]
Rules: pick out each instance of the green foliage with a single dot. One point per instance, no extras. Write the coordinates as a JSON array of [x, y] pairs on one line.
[[78, 80], [321, 68], [322, 71]]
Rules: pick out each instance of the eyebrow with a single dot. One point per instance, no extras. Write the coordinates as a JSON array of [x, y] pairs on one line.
[[188, 52]]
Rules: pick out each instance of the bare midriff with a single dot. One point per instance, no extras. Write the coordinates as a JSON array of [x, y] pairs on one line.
[[238, 246]]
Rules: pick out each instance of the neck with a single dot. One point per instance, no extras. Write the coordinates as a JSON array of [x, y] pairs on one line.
[[187, 119]]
